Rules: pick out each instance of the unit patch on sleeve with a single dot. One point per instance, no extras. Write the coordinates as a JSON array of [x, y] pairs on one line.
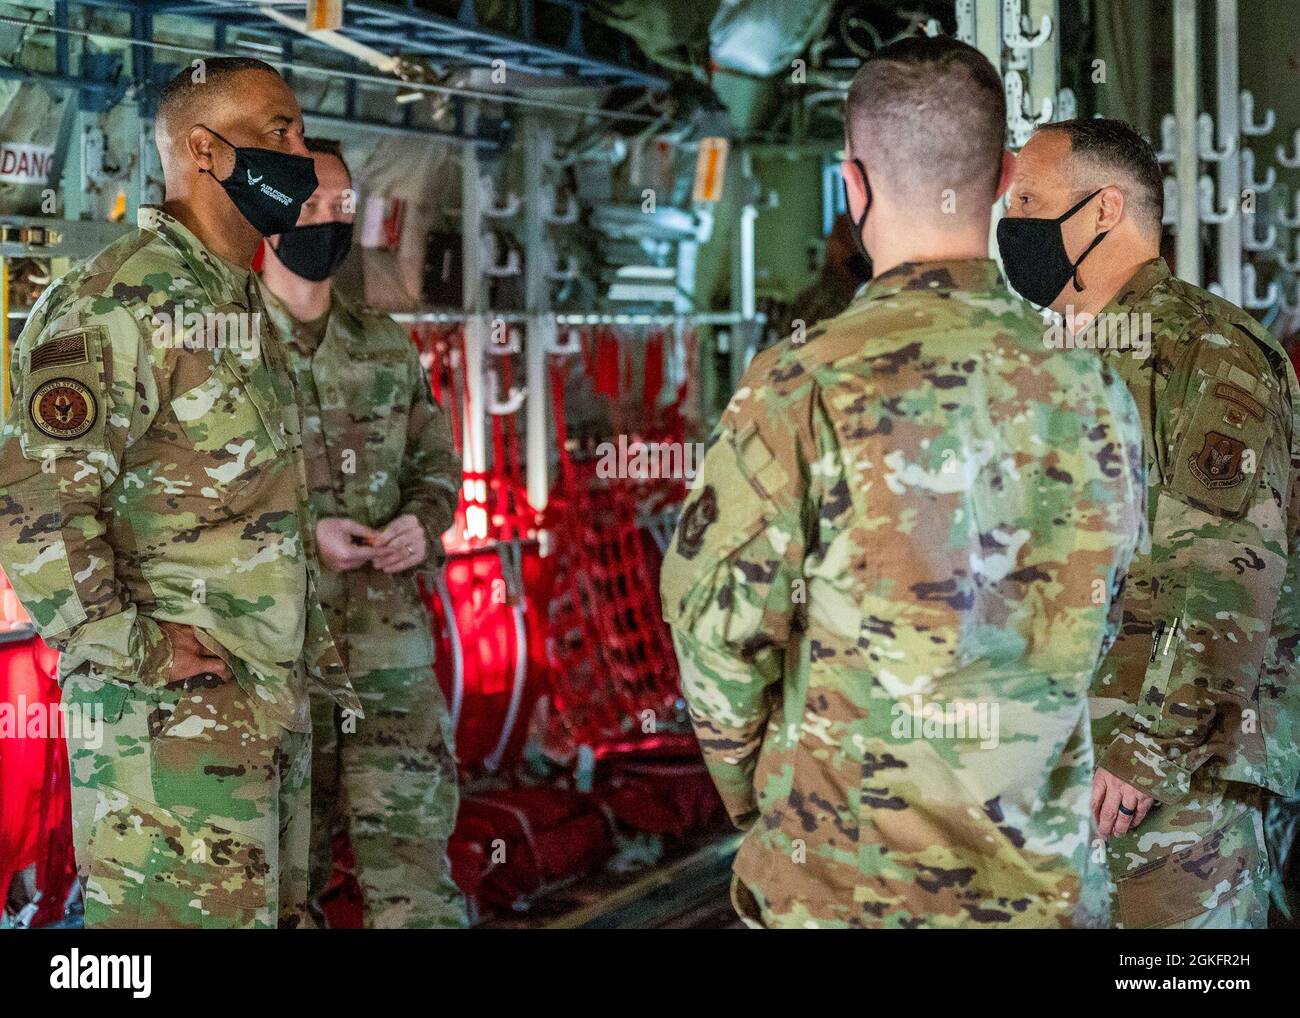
[[63, 408], [1218, 464]]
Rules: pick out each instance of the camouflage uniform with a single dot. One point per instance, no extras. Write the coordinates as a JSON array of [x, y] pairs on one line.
[[141, 480], [920, 509], [1197, 701], [378, 447]]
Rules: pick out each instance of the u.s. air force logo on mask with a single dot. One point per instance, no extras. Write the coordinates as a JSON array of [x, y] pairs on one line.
[[63, 408]]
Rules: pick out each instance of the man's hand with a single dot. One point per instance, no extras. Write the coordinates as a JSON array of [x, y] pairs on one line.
[[344, 544], [189, 657], [1109, 793], [401, 545]]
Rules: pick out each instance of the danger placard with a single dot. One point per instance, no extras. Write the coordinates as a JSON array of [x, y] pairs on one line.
[[25, 164]]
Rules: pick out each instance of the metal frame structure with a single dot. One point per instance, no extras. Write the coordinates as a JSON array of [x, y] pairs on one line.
[[99, 80], [1021, 39]]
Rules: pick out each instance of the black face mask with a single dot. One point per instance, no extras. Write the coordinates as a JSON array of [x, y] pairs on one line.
[[1034, 256], [858, 246], [315, 252], [268, 187]]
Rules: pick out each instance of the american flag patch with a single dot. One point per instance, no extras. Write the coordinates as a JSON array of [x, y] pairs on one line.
[[62, 352]]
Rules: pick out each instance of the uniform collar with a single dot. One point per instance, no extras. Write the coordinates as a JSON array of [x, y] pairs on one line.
[[1148, 276], [288, 327], [972, 275], [222, 282]]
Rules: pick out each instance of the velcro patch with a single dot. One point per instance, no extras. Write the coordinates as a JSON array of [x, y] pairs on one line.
[[701, 514], [1233, 394], [62, 352], [63, 408], [1218, 464]]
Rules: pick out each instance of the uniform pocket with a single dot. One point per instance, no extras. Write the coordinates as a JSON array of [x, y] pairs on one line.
[[1200, 877], [150, 869], [226, 429], [39, 571]]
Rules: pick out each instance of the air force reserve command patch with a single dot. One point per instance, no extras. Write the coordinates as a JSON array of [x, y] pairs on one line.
[[1219, 463], [63, 408]]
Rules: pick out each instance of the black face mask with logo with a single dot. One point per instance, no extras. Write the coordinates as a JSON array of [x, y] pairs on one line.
[[268, 187], [1034, 256], [315, 252]]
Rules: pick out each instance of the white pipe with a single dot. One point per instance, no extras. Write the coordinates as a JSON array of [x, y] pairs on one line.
[[379, 61]]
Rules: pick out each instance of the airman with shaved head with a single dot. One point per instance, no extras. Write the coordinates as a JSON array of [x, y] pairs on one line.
[[891, 586], [154, 522]]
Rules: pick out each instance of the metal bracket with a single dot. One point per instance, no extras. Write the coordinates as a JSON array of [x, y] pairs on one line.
[[1248, 181], [565, 218], [510, 267], [1168, 151], [1292, 221], [1209, 214], [562, 275], [510, 346], [1284, 305], [1252, 299], [1020, 122], [1013, 22], [571, 344], [1205, 129], [1250, 241], [1290, 264], [1291, 162], [498, 407], [488, 201], [1248, 125]]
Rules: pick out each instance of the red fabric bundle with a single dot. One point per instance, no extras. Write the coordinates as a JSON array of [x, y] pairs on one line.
[[35, 807], [510, 844]]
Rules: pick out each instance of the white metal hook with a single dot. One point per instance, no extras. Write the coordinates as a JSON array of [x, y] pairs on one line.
[[1248, 125], [1250, 298], [1168, 139], [1290, 264], [1013, 22], [1291, 222], [1067, 106], [1250, 240], [498, 407], [1209, 214], [562, 275], [1020, 122], [511, 345], [1286, 159], [572, 343], [1248, 181], [510, 267], [565, 218], [1205, 130], [1284, 305], [488, 200]]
